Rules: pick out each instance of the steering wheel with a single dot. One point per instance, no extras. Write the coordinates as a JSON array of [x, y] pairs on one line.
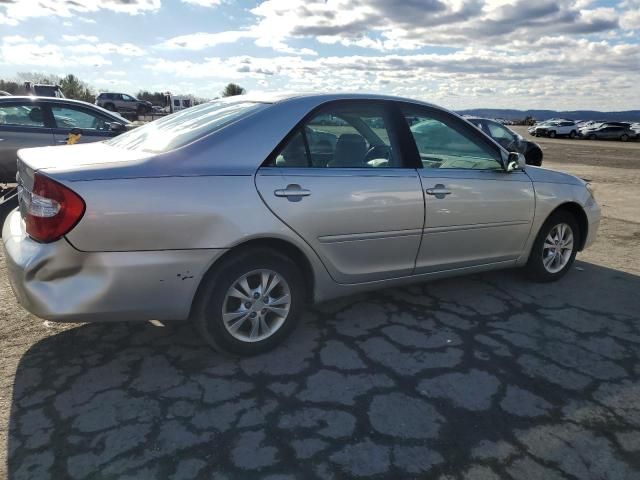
[[378, 151]]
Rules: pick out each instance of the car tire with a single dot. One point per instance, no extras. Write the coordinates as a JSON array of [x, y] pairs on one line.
[[110, 106], [220, 299], [624, 137], [552, 134], [592, 137], [553, 237], [573, 134], [142, 110], [534, 157]]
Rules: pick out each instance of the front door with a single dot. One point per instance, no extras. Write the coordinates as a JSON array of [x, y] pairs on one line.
[[341, 184], [476, 213], [93, 126], [22, 125]]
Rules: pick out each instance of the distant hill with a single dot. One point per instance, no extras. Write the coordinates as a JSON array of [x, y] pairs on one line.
[[629, 115]]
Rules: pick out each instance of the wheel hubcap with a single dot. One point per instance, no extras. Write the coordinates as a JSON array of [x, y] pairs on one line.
[[557, 248], [256, 305]]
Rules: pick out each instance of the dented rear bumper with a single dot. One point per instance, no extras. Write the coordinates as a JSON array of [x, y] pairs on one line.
[[57, 282]]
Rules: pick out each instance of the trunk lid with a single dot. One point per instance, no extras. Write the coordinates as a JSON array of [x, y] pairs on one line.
[[76, 162]]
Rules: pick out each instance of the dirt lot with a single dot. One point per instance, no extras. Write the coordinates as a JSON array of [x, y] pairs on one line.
[[481, 377]]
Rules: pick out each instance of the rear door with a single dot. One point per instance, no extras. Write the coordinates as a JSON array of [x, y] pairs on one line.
[[340, 181], [23, 124], [93, 126], [476, 213]]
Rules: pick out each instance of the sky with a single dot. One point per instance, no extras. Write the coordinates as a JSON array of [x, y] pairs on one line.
[[556, 54]]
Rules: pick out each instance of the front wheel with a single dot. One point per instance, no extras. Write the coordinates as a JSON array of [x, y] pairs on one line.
[[573, 134], [624, 137], [554, 249], [250, 303], [552, 134], [592, 137]]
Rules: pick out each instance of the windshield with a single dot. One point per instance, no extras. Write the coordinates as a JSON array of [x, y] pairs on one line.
[[181, 128]]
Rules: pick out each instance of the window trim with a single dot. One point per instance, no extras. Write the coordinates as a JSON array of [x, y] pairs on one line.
[[471, 131], [395, 134]]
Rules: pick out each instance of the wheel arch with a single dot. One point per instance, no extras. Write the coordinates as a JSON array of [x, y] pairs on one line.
[[278, 245], [579, 214]]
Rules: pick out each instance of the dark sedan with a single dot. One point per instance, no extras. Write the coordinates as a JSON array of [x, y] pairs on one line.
[[610, 131], [42, 121], [510, 140]]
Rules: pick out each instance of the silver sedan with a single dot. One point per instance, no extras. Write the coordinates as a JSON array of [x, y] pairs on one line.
[[235, 213]]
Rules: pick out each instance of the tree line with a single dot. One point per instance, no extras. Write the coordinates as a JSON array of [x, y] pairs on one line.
[[74, 88]]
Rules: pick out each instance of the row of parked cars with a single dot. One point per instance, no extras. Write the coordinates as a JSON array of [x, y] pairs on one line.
[[591, 129]]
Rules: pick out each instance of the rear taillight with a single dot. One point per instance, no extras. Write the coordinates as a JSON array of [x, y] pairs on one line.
[[50, 210]]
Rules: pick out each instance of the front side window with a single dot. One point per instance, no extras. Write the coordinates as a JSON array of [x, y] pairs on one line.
[[444, 143], [66, 117], [25, 115], [342, 136], [185, 126]]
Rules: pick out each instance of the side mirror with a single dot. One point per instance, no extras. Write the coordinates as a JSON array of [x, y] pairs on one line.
[[117, 127], [515, 161]]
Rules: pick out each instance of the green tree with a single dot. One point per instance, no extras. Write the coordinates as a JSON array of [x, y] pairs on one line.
[[73, 87], [232, 89]]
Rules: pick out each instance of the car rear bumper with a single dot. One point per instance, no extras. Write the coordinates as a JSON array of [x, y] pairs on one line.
[[57, 282]]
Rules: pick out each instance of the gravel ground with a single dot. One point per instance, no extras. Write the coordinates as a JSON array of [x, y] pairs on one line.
[[479, 377]]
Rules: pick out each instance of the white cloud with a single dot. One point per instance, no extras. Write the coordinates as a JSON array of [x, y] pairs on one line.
[[204, 3], [541, 73], [14, 12], [80, 38]]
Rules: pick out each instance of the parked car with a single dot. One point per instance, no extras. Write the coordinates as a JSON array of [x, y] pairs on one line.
[[510, 140], [123, 103], [40, 121], [610, 131], [558, 128], [225, 215], [43, 90]]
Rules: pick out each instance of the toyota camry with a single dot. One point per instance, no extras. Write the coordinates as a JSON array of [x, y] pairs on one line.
[[236, 213]]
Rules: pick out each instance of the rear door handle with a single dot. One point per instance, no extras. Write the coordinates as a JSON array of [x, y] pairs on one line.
[[293, 192]]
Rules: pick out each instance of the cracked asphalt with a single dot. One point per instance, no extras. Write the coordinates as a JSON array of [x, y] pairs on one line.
[[481, 377]]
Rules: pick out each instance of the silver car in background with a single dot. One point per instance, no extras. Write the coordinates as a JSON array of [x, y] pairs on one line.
[[235, 213]]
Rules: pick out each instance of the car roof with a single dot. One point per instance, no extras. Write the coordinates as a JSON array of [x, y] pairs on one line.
[[281, 97], [67, 101]]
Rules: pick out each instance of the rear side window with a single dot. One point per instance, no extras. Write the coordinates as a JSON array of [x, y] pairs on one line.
[[185, 126], [345, 135], [25, 115]]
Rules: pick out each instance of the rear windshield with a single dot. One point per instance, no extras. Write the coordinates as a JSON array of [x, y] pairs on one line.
[[181, 128]]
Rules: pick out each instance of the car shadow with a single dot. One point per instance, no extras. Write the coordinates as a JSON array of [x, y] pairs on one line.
[[476, 362]]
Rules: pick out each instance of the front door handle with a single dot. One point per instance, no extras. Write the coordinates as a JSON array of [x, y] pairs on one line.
[[439, 191], [293, 192]]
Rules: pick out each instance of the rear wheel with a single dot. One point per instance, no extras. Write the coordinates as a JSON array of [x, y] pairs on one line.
[[250, 303], [555, 248], [573, 134], [624, 137], [110, 106], [534, 157], [592, 137], [552, 134], [142, 110]]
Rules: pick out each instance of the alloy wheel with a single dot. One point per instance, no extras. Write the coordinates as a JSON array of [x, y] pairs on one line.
[[256, 305], [557, 248]]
